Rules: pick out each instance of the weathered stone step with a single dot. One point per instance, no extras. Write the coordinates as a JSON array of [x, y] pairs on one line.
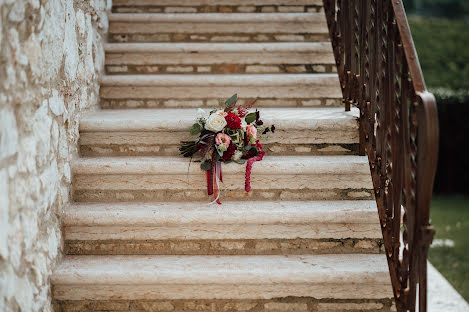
[[146, 132], [280, 90], [233, 228], [114, 179], [222, 6], [348, 276], [217, 27], [203, 58]]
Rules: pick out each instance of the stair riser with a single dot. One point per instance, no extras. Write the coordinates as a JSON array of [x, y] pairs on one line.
[[161, 143], [128, 149], [220, 291], [210, 37], [216, 54], [226, 8], [317, 25], [205, 96], [156, 67], [107, 103], [292, 304], [216, 38], [126, 195], [218, 58], [274, 305], [232, 182], [224, 231], [81, 246]]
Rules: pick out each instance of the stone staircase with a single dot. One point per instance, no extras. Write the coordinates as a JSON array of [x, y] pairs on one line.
[[139, 235]]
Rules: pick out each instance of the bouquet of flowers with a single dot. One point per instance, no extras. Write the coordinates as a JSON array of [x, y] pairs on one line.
[[227, 134]]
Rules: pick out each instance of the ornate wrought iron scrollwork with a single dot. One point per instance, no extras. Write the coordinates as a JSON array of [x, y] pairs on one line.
[[380, 74]]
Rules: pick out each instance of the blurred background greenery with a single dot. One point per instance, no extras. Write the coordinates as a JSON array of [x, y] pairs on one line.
[[440, 29]]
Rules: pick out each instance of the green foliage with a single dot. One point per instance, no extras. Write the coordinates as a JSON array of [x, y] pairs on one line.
[[440, 8], [196, 129], [251, 117], [231, 101], [450, 218], [206, 166], [442, 47]]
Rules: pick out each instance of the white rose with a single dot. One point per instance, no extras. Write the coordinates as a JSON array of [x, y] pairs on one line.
[[215, 123], [243, 124], [237, 155]]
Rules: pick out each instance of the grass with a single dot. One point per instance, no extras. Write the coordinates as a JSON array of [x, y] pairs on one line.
[[450, 218]]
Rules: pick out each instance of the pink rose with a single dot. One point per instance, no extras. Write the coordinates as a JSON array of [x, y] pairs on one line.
[[251, 131], [223, 139]]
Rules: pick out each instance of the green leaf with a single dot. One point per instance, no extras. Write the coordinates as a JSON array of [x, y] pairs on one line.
[[241, 161], [231, 100], [248, 147], [250, 118], [206, 166], [196, 129]]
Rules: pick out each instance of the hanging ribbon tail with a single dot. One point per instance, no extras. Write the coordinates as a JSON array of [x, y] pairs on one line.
[[216, 183], [247, 176], [209, 174], [221, 176]]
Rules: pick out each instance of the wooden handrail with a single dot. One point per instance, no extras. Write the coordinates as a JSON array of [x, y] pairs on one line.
[[380, 73]]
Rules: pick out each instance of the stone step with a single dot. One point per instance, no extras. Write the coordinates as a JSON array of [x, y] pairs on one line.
[[178, 90], [222, 6], [219, 58], [346, 276], [158, 132], [266, 227], [112, 179], [217, 27]]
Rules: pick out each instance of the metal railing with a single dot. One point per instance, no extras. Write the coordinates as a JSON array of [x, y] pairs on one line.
[[380, 74]]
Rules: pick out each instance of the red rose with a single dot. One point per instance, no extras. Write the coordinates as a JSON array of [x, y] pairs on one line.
[[233, 121], [229, 152]]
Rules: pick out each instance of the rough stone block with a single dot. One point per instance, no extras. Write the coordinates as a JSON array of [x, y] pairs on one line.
[[183, 103], [239, 306], [112, 305], [179, 69], [246, 9], [336, 307], [184, 246], [117, 69], [359, 194], [365, 244], [289, 37], [229, 68], [319, 68], [261, 38], [284, 307], [199, 306], [268, 9], [147, 69], [230, 38], [180, 10], [311, 103], [262, 69], [204, 69], [158, 306], [296, 9], [295, 69]]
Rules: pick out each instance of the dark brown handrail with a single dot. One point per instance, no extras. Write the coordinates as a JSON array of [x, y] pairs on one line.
[[380, 73]]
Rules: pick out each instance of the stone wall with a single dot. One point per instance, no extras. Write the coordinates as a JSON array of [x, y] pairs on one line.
[[51, 56]]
